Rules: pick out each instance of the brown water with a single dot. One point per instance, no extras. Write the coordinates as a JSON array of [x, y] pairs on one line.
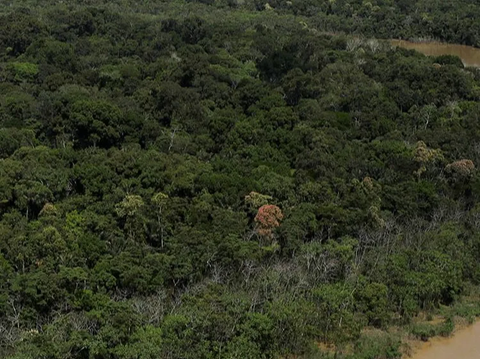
[[465, 344], [469, 55]]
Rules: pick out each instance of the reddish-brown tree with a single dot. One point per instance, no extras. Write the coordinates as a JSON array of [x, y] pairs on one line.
[[268, 218]]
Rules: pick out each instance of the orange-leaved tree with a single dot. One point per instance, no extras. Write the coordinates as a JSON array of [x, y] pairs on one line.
[[267, 219]]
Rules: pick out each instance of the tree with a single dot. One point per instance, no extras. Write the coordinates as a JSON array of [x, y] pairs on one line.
[[160, 200], [95, 123], [17, 31], [461, 169], [257, 200], [144, 343], [129, 208], [24, 71], [267, 219], [423, 155]]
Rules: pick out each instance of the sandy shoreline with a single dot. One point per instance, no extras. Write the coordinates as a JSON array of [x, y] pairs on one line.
[[463, 344]]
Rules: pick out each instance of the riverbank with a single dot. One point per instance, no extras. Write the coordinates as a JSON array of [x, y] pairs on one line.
[[463, 343], [449, 332], [439, 328], [469, 55]]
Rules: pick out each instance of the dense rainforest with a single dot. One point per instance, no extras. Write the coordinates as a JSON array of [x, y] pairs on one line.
[[234, 178]]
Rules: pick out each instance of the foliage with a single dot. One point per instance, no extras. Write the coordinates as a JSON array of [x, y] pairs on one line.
[[268, 218], [234, 179]]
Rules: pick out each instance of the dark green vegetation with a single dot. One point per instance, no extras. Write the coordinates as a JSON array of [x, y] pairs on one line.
[[132, 136]]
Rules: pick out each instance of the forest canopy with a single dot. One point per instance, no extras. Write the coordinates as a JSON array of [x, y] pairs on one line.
[[233, 178]]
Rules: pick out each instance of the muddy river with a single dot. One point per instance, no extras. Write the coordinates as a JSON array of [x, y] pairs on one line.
[[464, 344], [469, 55]]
